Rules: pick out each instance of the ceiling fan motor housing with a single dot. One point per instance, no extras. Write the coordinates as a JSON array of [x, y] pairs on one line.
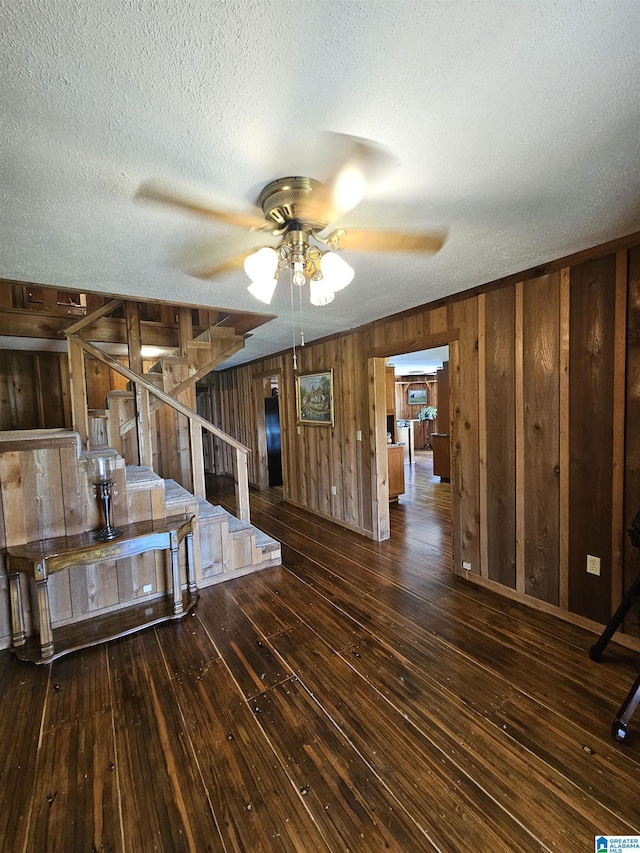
[[294, 200]]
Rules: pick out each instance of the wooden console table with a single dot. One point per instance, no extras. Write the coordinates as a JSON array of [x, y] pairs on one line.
[[46, 556]]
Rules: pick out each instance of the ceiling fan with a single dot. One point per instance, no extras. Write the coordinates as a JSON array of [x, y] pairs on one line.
[[299, 211]]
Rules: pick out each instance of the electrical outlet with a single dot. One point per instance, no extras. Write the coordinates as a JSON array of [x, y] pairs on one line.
[[593, 565], [334, 491], [466, 566], [358, 435]]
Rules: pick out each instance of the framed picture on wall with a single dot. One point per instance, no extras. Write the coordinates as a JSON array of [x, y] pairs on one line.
[[314, 398], [417, 396]]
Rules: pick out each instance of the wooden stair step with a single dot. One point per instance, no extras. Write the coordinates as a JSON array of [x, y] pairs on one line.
[[141, 477], [208, 510], [177, 497]]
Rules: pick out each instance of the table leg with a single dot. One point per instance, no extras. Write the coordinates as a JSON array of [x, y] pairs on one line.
[[46, 634], [175, 572], [18, 635], [191, 578]]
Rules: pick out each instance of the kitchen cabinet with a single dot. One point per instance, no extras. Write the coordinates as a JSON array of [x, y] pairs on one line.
[[395, 460], [441, 463], [390, 376]]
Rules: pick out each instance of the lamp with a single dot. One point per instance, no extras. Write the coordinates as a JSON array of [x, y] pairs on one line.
[[337, 273], [102, 464], [320, 292], [325, 272]]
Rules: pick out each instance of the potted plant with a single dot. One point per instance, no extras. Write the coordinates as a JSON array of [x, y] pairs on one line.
[[427, 413]]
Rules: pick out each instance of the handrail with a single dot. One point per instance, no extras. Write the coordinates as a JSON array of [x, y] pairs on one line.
[[242, 452], [157, 392], [185, 385]]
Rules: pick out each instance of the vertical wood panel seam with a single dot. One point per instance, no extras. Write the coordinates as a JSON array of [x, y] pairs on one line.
[[563, 533], [482, 436], [40, 392], [619, 393], [519, 436]]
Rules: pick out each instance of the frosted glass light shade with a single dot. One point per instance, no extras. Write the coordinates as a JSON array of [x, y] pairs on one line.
[[262, 264], [263, 289], [337, 273], [321, 293]]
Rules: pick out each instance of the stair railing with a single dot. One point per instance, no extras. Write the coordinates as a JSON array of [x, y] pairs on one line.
[[143, 390]]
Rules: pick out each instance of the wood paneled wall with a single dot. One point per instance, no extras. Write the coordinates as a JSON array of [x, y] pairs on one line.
[[545, 426], [34, 390]]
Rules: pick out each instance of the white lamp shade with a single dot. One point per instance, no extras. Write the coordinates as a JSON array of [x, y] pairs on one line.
[[321, 293], [261, 265], [263, 289], [337, 273]]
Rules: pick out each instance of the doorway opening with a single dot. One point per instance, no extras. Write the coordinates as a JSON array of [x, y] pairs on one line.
[[272, 428], [421, 426]]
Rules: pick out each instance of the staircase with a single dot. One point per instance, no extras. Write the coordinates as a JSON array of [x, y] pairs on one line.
[[224, 546], [157, 432], [228, 547]]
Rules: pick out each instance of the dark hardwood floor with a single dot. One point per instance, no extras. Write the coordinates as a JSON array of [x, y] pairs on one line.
[[359, 698]]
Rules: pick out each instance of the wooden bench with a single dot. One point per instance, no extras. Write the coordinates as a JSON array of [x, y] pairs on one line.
[[44, 557]]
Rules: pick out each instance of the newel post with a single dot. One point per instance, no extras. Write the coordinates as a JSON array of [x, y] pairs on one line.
[[242, 486]]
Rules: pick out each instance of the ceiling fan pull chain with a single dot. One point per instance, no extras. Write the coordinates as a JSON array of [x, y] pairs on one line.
[[301, 318], [293, 322]]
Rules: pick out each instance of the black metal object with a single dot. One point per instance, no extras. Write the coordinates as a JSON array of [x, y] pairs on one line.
[[621, 720]]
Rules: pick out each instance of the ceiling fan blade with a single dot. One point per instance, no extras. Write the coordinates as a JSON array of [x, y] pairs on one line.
[[363, 164], [228, 265], [366, 240], [153, 192]]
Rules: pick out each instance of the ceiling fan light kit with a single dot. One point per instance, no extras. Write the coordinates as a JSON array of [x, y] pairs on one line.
[[298, 210], [320, 292], [326, 272]]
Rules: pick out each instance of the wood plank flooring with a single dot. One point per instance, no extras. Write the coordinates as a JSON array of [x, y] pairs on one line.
[[359, 698]]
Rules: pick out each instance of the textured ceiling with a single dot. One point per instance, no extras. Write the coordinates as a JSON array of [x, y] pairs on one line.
[[515, 126]]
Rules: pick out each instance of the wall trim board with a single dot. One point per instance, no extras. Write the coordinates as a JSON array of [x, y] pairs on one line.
[[625, 640], [414, 344], [378, 432], [454, 449], [368, 534], [265, 374]]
